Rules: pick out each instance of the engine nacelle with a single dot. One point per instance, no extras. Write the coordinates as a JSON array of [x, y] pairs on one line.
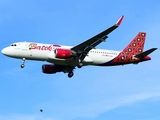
[[63, 53], [51, 69]]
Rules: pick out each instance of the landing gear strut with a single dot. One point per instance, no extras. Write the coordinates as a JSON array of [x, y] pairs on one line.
[[23, 61], [70, 74]]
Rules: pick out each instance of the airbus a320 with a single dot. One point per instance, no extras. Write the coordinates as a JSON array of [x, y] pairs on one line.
[[67, 58]]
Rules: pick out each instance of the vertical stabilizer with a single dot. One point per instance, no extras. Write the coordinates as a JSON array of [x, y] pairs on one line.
[[135, 47]]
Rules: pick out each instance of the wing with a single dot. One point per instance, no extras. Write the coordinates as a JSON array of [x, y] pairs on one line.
[[83, 48]]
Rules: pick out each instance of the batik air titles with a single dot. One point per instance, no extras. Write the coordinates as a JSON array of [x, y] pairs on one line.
[[67, 58]]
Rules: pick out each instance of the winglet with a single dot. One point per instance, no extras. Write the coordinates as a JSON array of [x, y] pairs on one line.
[[120, 20]]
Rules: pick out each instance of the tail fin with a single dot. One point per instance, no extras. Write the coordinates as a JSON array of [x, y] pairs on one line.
[[136, 46]]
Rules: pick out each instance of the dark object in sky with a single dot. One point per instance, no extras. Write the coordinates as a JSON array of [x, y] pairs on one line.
[[41, 110]]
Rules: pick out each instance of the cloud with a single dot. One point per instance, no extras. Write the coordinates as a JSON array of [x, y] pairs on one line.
[[24, 117], [92, 109], [93, 97]]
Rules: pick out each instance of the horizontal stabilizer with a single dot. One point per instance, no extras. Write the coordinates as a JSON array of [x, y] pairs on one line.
[[144, 54]]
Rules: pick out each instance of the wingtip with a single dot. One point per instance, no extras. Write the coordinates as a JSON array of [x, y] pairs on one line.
[[155, 48], [120, 20]]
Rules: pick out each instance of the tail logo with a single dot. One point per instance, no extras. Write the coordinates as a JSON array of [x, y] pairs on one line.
[[135, 47]]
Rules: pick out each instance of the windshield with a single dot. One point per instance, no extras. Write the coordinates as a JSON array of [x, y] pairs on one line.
[[13, 45]]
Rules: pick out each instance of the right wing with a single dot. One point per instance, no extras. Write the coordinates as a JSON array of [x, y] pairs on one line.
[[83, 48]]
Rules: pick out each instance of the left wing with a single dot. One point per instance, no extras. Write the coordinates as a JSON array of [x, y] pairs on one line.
[[82, 49]]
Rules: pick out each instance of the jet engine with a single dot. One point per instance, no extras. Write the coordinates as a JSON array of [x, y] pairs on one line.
[[63, 53], [51, 69]]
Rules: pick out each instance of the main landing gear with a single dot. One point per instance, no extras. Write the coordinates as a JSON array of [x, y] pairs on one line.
[[80, 64], [70, 74], [70, 71], [23, 61]]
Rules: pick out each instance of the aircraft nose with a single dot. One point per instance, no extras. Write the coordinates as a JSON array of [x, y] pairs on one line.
[[5, 51]]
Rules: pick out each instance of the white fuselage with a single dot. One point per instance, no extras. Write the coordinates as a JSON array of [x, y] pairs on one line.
[[46, 52]]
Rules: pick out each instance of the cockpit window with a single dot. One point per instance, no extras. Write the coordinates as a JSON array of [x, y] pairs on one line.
[[13, 45]]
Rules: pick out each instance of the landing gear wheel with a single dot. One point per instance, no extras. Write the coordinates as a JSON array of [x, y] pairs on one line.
[[80, 65], [23, 61], [22, 66], [70, 74]]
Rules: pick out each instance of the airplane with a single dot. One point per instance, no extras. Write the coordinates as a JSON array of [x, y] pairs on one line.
[[67, 58]]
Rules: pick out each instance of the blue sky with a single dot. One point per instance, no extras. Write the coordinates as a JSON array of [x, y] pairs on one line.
[[94, 93]]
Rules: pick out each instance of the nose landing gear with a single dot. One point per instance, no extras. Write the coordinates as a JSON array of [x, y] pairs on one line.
[[23, 61]]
